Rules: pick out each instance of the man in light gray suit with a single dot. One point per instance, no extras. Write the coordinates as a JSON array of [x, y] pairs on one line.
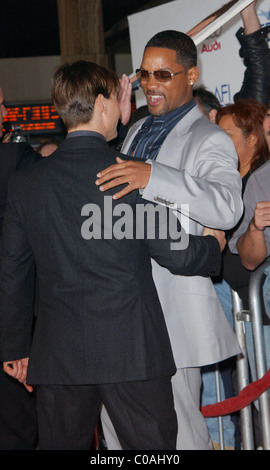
[[190, 164]]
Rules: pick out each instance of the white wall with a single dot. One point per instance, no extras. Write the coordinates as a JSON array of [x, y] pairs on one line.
[[27, 79]]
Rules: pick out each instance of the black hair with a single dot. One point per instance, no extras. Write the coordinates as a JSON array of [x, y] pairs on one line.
[[206, 99], [181, 43]]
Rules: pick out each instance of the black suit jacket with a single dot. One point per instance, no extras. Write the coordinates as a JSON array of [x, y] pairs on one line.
[[13, 157], [99, 319]]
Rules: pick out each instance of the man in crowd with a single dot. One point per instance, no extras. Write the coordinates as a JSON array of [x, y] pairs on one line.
[[189, 161], [17, 406]]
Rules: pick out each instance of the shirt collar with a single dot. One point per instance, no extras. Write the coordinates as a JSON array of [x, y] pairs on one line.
[[172, 115], [85, 134]]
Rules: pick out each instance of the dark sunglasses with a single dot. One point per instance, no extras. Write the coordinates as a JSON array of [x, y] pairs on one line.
[[160, 75]]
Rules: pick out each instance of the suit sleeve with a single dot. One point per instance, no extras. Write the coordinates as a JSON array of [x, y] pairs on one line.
[[26, 156], [181, 253], [212, 191], [17, 274]]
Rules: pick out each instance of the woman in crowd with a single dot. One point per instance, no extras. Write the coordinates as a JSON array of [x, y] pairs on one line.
[[244, 122]]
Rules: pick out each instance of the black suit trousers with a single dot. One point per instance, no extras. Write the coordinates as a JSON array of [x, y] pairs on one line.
[[142, 413], [18, 421]]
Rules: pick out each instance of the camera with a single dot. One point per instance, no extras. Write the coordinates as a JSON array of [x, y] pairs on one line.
[[17, 135]]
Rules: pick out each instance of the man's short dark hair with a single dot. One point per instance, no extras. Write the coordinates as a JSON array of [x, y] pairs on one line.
[[207, 99], [75, 88], [181, 43]]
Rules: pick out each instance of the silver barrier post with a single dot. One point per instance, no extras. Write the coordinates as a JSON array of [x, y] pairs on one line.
[[220, 420], [259, 347], [242, 368]]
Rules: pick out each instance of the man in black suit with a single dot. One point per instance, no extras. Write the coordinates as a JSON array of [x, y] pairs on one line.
[[17, 406], [100, 334]]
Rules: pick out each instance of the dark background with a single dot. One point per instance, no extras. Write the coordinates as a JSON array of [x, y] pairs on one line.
[[29, 28]]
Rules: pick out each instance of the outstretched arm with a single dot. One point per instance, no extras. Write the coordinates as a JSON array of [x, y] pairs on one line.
[[173, 247], [133, 173], [213, 191], [255, 52], [250, 19]]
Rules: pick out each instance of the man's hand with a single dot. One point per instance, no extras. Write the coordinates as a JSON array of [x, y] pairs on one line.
[[7, 138], [218, 234], [124, 99], [261, 218], [251, 245], [135, 174], [18, 370]]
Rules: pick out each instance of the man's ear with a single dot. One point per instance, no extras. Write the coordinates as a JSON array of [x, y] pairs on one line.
[[193, 75], [212, 115], [101, 103]]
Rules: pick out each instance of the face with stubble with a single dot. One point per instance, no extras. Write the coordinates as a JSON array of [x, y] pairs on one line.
[[165, 96]]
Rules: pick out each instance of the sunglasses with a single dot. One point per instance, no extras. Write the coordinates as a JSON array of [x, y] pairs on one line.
[[160, 75]]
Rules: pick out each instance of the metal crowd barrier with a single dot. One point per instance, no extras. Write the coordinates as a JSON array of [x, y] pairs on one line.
[[242, 368], [259, 348], [253, 315]]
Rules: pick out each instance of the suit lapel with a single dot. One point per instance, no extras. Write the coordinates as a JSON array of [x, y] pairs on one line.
[[173, 144], [130, 135]]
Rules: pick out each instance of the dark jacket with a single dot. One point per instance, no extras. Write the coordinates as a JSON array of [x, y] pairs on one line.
[[13, 157], [98, 314], [255, 52]]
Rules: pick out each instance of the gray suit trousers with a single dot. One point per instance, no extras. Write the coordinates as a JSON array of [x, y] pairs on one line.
[[192, 430]]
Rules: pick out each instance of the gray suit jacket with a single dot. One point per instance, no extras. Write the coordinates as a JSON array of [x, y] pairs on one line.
[[196, 166]]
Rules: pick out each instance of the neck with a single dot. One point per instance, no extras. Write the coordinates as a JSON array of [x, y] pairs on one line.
[[95, 128], [244, 167]]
